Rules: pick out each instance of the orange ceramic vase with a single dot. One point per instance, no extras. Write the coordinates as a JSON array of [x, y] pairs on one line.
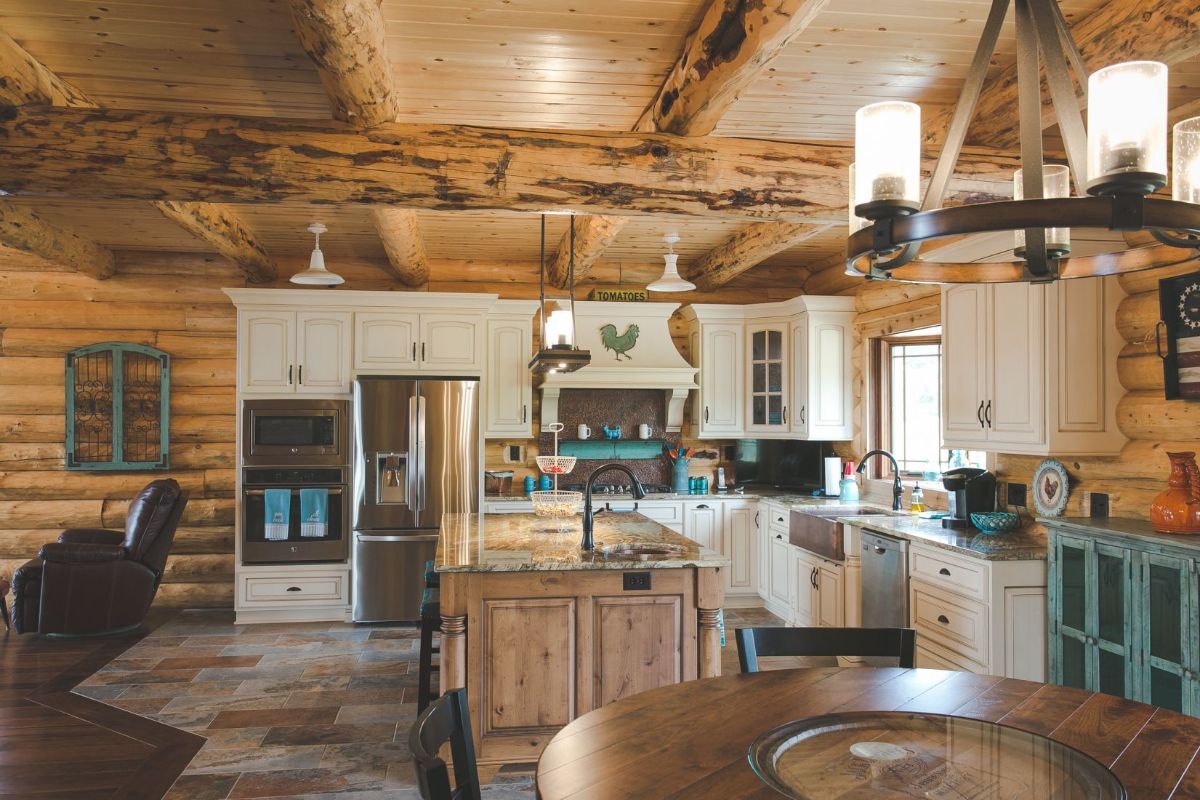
[[1177, 510]]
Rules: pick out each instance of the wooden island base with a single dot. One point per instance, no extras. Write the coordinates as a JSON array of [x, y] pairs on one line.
[[537, 649]]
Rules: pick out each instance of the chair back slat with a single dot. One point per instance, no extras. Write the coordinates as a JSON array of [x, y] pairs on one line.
[[756, 643], [446, 720]]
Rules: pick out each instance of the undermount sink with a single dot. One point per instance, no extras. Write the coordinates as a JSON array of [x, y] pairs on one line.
[[816, 530], [638, 552]]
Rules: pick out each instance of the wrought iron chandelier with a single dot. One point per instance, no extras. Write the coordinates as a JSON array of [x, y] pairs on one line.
[[1116, 163], [558, 351]]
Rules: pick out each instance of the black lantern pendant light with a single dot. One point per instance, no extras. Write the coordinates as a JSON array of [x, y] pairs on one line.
[[1117, 162], [558, 352]]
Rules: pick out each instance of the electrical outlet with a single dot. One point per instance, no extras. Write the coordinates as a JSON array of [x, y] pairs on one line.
[[1097, 505], [1018, 495], [636, 581]]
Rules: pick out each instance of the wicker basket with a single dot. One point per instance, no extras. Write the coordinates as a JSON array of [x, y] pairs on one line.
[[556, 465], [556, 504]]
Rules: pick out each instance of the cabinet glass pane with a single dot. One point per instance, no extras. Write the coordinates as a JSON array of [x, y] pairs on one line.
[[774, 377], [759, 371], [1072, 662], [1166, 641], [1072, 592], [774, 345], [775, 406], [759, 345], [1112, 673], [1110, 574], [1166, 689], [759, 413]]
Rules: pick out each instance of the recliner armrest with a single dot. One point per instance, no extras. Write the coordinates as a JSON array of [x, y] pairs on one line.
[[69, 553], [91, 536]]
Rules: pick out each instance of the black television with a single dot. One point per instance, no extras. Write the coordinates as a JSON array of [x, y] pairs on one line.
[[784, 463]]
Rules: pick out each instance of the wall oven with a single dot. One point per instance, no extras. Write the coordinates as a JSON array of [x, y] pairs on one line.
[[295, 432], [282, 522]]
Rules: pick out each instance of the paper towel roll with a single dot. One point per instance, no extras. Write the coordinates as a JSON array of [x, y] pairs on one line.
[[833, 475]]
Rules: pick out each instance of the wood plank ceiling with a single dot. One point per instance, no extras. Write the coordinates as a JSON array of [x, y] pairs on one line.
[[591, 64]]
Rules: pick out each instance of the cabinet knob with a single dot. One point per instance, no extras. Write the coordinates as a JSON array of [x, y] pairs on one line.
[[942, 618], [943, 571], [779, 536]]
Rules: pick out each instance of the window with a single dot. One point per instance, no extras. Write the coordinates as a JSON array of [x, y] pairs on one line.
[[907, 383]]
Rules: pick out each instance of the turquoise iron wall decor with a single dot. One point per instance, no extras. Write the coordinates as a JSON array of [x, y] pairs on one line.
[[620, 345], [118, 401]]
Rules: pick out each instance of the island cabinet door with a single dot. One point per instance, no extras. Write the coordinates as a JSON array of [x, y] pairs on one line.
[[638, 645]]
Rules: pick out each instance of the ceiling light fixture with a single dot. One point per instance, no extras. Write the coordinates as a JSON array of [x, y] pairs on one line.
[[671, 280], [316, 274], [1119, 160], [558, 352]]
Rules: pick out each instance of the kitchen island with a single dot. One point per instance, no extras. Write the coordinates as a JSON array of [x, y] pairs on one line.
[[541, 632]]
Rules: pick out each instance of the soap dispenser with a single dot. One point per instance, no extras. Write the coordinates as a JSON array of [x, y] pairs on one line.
[[847, 486]]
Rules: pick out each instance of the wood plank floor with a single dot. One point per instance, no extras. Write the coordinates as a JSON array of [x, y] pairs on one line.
[[56, 744]]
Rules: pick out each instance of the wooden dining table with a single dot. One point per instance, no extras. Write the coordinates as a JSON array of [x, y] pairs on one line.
[[690, 740]]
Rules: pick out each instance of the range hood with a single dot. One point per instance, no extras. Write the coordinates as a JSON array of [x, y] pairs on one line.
[[631, 349]]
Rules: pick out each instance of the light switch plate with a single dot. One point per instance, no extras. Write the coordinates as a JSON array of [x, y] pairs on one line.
[[1018, 495]]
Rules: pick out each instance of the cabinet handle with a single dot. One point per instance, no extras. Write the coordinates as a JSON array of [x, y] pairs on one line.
[[802, 414], [812, 578], [979, 414], [524, 409], [943, 571], [942, 618], [289, 374], [301, 373], [422, 351], [706, 413], [785, 415], [702, 505], [987, 413], [1159, 327], [294, 589], [414, 358], [756, 513]]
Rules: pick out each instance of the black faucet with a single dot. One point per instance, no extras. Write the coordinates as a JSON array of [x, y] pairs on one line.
[[897, 487], [588, 516]]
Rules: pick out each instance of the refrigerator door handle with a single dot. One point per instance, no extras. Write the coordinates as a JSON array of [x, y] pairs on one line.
[[420, 452], [414, 539], [414, 501]]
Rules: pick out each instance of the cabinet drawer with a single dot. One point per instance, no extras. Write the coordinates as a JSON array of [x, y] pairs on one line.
[[958, 624], [308, 588], [949, 572], [931, 657], [662, 513], [509, 507]]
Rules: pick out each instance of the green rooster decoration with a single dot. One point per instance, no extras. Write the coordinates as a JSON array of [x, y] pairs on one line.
[[619, 344]]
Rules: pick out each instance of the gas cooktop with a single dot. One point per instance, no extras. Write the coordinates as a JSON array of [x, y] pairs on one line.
[[619, 488]]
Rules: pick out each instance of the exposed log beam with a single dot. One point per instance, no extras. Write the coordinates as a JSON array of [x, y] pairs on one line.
[[400, 231], [25, 81], [729, 49], [220, 227], [23, 229], [746, 249], [345, 39], [1119, 30], [593, 235], [110, 154]]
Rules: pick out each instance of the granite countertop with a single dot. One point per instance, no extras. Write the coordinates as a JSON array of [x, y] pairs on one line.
[[757, 493], [526, 543]]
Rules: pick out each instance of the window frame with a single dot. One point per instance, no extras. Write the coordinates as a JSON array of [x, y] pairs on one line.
[[880, 394]]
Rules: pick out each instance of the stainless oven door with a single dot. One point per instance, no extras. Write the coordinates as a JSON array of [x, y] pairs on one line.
[[303, 542], [295, 432]]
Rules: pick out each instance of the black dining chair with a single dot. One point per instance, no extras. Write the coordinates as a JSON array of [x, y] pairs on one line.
[[755, 643], [446, 720]]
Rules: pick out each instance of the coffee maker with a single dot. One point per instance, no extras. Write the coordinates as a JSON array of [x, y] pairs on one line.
[[969, 490]]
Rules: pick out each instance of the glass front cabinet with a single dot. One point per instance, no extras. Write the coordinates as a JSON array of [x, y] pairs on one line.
[[1122, 618]]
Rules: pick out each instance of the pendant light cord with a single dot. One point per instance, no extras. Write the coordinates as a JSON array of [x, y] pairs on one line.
[[542, 285], [571, 281]]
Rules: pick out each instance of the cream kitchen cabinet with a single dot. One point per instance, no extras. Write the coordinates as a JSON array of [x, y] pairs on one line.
[[767, 371], [1031, 369], [818, 594], [508, 383], [718, 349], [739, 541], [821, 371], [399, 341], [293, 352], [702, 523]]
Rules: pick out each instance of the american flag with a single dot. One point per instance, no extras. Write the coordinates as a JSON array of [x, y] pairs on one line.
[[1187, 348]]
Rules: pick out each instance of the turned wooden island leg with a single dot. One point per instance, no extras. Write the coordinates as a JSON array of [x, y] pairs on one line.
[[710, 596], [452, 669]]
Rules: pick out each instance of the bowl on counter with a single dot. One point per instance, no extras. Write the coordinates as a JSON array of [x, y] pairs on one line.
[[559, 505], [995, 522]]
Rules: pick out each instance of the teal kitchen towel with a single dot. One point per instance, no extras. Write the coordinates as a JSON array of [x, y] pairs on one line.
[[277, 508], [314, 512]]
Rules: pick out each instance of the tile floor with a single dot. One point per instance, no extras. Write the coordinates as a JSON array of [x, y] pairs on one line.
[[310, 710]]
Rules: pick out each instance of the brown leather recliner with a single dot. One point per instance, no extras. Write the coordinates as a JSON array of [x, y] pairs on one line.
[[96, 581]]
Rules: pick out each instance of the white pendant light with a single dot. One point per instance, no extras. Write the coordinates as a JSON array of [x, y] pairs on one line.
[[670, 280], [316, 274]]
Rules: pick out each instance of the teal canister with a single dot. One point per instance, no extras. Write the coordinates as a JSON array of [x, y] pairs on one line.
[[848, 488]]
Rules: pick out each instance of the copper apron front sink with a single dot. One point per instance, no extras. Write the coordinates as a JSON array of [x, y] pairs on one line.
[[818, 531]]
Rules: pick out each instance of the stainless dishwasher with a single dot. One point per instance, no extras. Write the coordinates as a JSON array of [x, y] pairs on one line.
[[884, 581]]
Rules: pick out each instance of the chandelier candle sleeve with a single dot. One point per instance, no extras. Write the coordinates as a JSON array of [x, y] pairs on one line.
[[1056, 182], [1185, 145], [560, 328], [887, 158], [1127, 127]]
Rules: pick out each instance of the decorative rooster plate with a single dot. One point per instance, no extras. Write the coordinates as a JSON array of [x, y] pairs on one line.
[[1051, 486]]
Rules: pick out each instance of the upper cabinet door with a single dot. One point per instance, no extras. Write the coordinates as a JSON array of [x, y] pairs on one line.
[[267, 351], [721, 412], [828, 411], [767, 373], [964, 364], [1016, 408], [322, 352], [385, 340], [508, 383], [800, 376], [451, 343]]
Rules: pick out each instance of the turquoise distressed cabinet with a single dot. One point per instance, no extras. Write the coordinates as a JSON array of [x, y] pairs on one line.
[[1123, 603]]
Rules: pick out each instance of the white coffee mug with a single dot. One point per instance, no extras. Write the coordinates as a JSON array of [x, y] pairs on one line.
[[643, 431], [585, 432]]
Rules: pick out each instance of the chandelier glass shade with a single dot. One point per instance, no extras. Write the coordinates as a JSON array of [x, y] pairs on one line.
[[557, 351], [1115, 165]]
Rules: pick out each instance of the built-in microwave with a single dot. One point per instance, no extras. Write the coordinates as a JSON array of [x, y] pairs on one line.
[[295, 432]]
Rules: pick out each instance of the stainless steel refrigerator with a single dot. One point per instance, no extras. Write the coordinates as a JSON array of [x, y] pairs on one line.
[[416, 456]]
